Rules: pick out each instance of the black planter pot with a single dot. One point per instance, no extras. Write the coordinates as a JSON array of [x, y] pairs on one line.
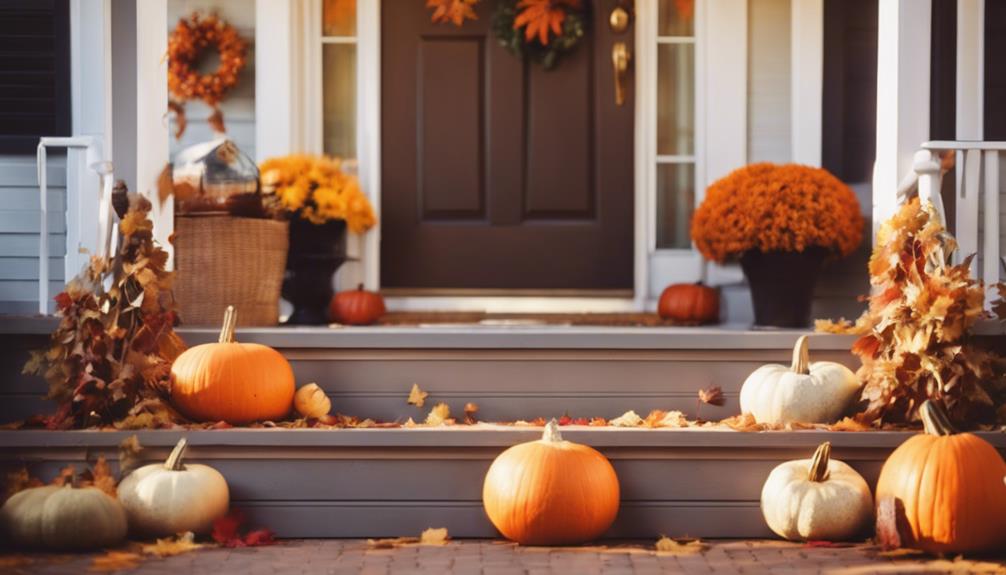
[[782, 285], [316, 251]]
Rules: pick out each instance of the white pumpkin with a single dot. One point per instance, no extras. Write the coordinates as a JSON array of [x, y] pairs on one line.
[[311, 401], [63, 518], [804, 392], [169, 498], [816, 499]]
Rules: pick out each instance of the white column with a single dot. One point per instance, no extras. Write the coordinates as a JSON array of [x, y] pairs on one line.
[[91, 99], [724, 110], [807, 76], [902, 96], [151, 107], [277, 78], [970, 83]]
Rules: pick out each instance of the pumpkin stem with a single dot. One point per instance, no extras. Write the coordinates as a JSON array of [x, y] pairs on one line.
[[935, 420], [174, 461], [359, 286], [230, 322], [551, 433], [819, 463], [801, 357]]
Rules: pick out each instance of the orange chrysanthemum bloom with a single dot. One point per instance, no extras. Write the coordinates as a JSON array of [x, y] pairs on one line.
[[317, 189], [769, 207]]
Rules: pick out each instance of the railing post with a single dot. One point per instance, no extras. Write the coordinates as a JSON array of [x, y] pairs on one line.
[[43, 231]]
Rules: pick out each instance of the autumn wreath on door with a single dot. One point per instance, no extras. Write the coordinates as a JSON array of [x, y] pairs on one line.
[[542, 30]]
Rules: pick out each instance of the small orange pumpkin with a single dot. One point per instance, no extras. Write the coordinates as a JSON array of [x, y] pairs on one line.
[[690, 303], [551, 492], [233, 382], [949, 487], [356, 307]]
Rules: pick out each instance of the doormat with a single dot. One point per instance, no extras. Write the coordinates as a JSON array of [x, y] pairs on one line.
[[528, 319]]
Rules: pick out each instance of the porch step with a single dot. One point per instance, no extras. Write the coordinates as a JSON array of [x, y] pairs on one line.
[[391, 482], [512, 372]]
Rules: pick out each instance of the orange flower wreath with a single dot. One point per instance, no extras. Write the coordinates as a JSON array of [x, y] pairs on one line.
[[190, 39], [768, 207]]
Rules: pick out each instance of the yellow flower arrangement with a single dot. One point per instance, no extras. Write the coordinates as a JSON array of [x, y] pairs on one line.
[[318, 190], [770, 207]]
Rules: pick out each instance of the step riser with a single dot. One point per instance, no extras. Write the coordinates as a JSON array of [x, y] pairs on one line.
[[507, 385], [369, 492]]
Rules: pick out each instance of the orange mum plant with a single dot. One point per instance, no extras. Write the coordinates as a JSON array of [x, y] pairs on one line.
[[317, 189], [769, 207]]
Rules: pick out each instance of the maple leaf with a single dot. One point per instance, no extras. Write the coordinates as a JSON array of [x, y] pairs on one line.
[[100, 476], [417, 396], [171, 546], [627, 419], [683, 546], [116, 561], [453, 11], [659, 418], [433, 536], [227, 532], [540, 17], [439, 415]]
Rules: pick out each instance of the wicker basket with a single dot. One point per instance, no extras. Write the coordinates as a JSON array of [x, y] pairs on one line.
[[223, 260]]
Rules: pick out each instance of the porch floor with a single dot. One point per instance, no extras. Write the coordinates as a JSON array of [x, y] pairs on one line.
[[336, 556]]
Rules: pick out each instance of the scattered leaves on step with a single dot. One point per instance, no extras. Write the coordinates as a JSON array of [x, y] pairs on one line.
[[227, 532], [712, 396], [628, 419], [434, 536], [129, 455], [417, 396], [471, 410], [391, 542], [116, 561], [170, 546], [679, 546], [439, 415], [849, 424], [100, 476], [660, 418], [841, 326], [19, 481]]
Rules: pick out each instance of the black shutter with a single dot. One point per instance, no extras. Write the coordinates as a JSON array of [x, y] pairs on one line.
[[34, 73]]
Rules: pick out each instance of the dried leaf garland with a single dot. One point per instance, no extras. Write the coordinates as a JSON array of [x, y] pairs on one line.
[[113, 347], [914, 343]]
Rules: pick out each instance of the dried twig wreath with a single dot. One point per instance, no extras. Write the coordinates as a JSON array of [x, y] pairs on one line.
[[189, 41]]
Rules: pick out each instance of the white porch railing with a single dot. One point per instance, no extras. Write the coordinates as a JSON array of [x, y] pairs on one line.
[[976, 192], [94, 161]]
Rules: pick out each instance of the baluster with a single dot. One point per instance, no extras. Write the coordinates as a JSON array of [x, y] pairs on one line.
[[968, 194], [990, 251]]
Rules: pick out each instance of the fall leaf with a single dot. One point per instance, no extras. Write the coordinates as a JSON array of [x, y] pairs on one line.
[[216, 121], [170, 546], [116, 561], [627, 419], [65, 476], [227, 532], [417, 396], [471, 410], [165, 184], [849, 424], [439, 415], [712, 396], [433, 536], [100, 476], [453, 11], [540, 17], [129, 455], [19, 481], [659, 418], [391, 542], [668, 546]]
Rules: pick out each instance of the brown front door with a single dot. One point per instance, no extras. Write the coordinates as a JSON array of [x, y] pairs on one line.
[[497, 174]]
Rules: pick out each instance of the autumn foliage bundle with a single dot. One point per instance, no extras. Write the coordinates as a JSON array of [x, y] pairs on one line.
[[914, 338], [111, 354]]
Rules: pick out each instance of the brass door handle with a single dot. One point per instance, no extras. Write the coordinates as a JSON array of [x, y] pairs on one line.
[[620, 57]]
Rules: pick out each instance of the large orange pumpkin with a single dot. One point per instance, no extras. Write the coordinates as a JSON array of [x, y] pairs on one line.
[[551, 492], [948, 486], [356, 307], [230, 381], [690, 303]]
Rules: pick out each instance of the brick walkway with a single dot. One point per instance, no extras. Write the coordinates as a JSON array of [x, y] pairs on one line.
[[498, 558]]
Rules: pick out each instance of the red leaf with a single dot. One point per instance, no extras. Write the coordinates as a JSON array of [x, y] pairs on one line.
[[63, 301], [565, 420], [225, 529], [259, 537]]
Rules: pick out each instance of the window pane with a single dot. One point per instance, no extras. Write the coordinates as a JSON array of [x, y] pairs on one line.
[[677, 18], [339, 18], [675, 203], [339, 77], [676, 99]]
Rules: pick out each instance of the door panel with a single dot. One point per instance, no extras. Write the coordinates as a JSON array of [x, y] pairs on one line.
[[497, 174]]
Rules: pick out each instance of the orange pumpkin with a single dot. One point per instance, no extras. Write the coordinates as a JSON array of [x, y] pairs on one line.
[[233, 382], [551, 492], [356, 307], [690, 303], [949, 487]]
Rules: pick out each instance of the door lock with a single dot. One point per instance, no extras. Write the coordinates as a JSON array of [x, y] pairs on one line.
[[620, 57]]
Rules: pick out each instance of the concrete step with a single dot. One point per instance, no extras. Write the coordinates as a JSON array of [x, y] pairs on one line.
[[391, 482]]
